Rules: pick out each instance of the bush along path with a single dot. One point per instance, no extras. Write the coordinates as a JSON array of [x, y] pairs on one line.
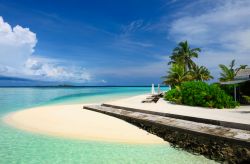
[[198, 93]]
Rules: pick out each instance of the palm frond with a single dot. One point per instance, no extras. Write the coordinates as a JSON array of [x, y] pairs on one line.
[[232, 64]]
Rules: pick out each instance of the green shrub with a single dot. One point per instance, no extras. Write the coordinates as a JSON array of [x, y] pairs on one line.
[[246, 98], [197, 93], [174, 95], [229, 89]]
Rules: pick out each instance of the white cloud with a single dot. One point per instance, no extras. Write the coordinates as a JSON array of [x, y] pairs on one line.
[[3, 69], [16, 58], [50, 70], [213, 26], [16, 44], [127, 40], [133, 26], [223, 33]]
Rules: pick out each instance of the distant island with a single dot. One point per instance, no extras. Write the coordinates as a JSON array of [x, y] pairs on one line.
[[65, 85]]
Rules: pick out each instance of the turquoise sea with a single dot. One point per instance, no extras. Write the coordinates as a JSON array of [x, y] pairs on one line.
[[18, 146]]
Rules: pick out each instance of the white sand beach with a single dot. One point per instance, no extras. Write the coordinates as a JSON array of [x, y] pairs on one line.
[[71, 121]]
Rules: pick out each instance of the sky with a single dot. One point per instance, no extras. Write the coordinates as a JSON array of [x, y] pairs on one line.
[[116, 42]]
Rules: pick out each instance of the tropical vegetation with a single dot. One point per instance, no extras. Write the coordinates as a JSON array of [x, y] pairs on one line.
[[200, 73], [177, 75], [187, 80], [228, 73], [247, 98], [183, 68], [183, 54], [198, 93]]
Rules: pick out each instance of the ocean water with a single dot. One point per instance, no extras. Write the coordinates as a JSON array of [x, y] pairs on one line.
[[17, 146]]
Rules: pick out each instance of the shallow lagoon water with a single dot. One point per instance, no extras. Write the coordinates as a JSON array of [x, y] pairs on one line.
[[18, 146]]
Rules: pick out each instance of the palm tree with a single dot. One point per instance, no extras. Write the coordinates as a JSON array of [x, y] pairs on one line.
[[201, 73], [176, 75], [228, 73], [183, 55]]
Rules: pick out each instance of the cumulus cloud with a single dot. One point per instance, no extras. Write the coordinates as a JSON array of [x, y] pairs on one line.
[[223, 32], [17, 46]]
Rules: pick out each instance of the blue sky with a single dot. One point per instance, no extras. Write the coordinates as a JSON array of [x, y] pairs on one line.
[[115, 42]]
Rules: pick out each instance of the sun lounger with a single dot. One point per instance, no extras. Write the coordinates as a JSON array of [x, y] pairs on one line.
[[147, 101], [148, 98], [153, 98]]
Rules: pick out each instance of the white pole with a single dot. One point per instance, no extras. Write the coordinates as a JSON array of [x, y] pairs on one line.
[[159, 89], [153, 89]]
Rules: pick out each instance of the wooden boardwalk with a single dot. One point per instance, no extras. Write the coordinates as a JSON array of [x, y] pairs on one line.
[[228, 124]]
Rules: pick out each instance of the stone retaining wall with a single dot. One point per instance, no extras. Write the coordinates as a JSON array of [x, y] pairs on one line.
[[217, 148], [210, 147]]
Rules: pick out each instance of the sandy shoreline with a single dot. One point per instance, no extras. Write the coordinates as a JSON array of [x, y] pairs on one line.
[[71, 121]]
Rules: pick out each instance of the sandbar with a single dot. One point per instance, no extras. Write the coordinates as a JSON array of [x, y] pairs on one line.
[[72, 121]]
